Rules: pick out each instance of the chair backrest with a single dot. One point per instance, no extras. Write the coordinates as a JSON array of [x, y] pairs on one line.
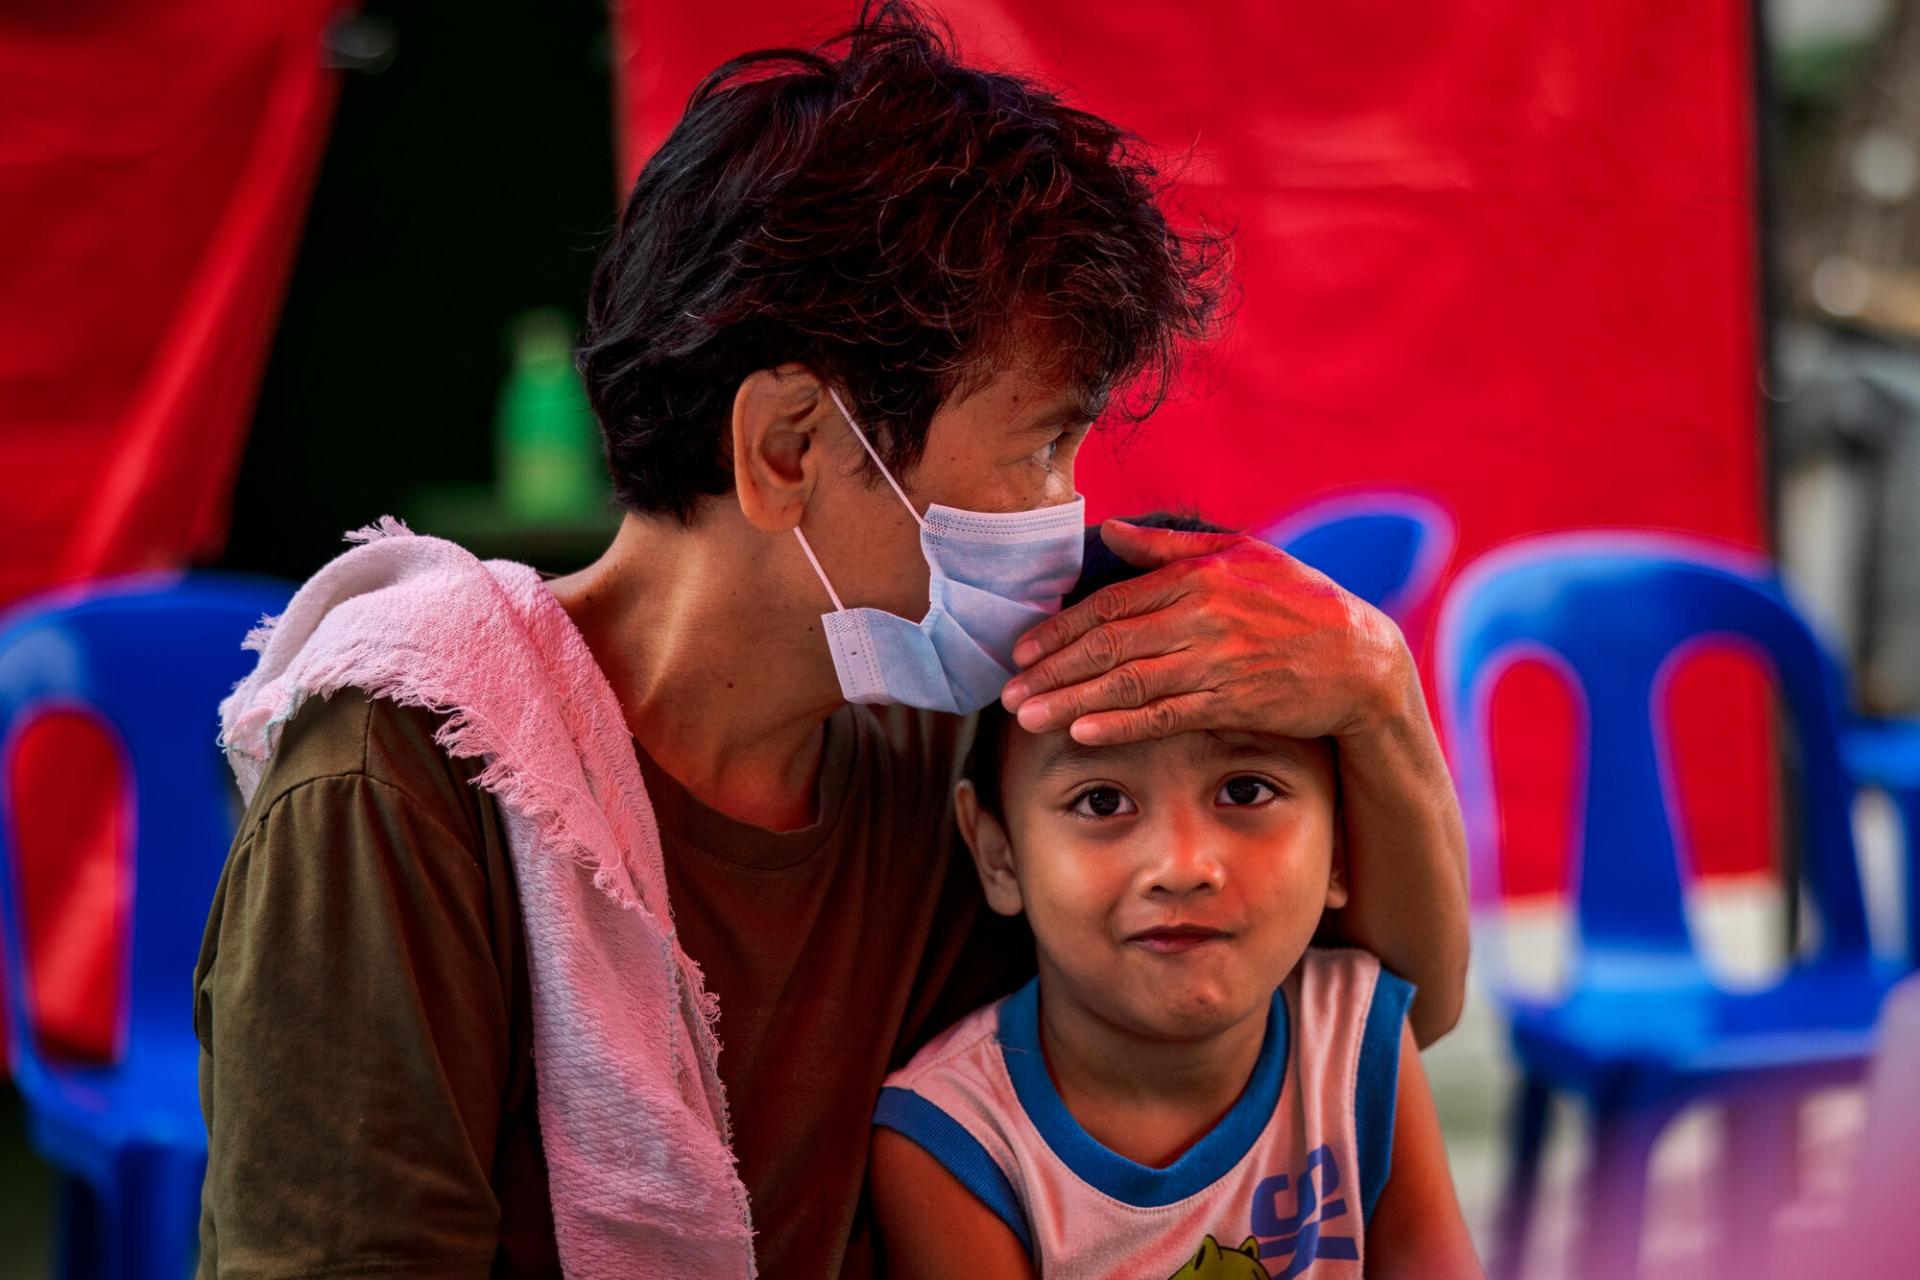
[[1386, 548], [1615, 614], [151, 657]]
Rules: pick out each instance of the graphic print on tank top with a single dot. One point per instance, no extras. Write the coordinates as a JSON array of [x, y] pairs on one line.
[[1282, 1186]]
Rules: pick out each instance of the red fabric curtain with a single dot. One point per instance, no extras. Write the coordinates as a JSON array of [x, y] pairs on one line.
[[1500, 254], [155, 165]]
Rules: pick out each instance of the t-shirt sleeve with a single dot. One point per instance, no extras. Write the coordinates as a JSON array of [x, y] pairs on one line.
[[353, 1025]]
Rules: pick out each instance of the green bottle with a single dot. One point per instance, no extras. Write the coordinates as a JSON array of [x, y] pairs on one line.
[[546, 445]]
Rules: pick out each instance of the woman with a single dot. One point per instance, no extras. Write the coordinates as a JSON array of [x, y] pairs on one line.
[[862, 309]]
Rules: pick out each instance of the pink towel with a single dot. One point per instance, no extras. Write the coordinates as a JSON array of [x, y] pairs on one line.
[[632, 1112]]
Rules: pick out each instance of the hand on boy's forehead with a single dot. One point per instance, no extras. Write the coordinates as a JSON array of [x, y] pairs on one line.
[[1054, 757], [1221, 631]]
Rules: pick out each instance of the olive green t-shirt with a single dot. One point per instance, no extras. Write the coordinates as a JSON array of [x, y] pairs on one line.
[[362, 1002]]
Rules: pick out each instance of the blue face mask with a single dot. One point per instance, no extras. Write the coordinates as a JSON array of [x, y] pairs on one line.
[[992, 576]]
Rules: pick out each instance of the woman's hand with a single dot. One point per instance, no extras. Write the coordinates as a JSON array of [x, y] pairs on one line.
[[1228, 632]]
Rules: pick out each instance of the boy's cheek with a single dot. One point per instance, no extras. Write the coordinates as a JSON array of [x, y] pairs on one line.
[[1071, 915]]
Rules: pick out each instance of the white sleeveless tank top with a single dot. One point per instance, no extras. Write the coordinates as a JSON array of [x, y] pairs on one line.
[[1281, 1187]]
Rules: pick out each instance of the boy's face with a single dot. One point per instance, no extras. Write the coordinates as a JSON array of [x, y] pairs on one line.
[[1171, 885]]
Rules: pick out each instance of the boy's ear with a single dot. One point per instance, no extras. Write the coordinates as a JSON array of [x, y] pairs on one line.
[[1337, 868], [992, 853]]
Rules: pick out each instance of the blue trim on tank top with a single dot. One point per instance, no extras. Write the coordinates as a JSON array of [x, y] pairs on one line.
[[1105, 1170], [959, 1153], [1376, 1085]]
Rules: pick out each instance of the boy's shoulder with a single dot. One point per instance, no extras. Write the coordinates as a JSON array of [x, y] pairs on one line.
[[968, 1047], [1338, 972], [1347, 988]]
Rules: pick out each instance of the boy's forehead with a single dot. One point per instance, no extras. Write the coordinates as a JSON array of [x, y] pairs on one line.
[[1056, 754]]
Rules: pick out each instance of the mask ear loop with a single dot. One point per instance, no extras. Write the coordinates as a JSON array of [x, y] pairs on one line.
[[871, 453], [814, 560], [866, 444]]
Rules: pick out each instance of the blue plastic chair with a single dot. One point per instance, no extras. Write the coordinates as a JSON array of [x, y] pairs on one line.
[[1643, 1029], [1885, 754], [1386, 548], [151, 657]]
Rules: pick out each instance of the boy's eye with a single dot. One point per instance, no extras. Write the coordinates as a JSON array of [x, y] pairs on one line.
[[1245, 791], [1102, 802]]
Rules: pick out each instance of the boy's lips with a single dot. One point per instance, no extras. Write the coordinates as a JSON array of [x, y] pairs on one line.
[[1172, 939]]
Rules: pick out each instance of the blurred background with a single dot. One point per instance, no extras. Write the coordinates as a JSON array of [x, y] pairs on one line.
[[1583, 339]]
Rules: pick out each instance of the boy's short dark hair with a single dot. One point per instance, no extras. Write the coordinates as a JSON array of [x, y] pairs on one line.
[[1099, 567], [895, 220]]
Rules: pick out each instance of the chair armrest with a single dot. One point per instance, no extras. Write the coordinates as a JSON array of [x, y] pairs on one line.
[[1883, 753]]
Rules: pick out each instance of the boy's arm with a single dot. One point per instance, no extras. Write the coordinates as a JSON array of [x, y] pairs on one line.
[[1416, 1231], [931, 1227]]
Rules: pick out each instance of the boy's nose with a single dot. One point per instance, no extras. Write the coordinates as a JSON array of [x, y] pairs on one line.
[[1188, 863]]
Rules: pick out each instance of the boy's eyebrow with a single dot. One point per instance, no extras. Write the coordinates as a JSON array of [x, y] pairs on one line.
[[1257, 746], [1071, 757], [1068, 756]]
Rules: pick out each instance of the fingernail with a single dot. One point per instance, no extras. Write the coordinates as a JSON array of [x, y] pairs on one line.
[[1032, 714], [1014, 694], [1026, 651]]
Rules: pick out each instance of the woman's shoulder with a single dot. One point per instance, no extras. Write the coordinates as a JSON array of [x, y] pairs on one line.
[[363, 826], [354, 735]]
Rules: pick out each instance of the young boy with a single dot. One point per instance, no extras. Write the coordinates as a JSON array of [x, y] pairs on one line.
[[1188, 1089]]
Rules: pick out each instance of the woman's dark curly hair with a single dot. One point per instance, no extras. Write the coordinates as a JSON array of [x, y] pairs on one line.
[[898, 222]]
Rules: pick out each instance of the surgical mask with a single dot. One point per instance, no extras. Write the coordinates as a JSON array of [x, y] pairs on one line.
[[992, 577]]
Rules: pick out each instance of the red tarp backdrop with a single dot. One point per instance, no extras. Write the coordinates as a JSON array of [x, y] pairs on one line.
[[155, 167], [1500, 254], [1496, 253]]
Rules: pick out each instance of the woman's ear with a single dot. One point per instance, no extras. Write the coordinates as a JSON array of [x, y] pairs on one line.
[[992, 853], [775, 445]]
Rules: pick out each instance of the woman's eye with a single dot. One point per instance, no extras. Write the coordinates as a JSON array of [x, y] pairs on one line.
[[1102, 802], [1245, 791], [1067, 439]]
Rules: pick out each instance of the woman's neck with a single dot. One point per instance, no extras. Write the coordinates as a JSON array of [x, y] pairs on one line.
[[1142, 1097], [724, 686]]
